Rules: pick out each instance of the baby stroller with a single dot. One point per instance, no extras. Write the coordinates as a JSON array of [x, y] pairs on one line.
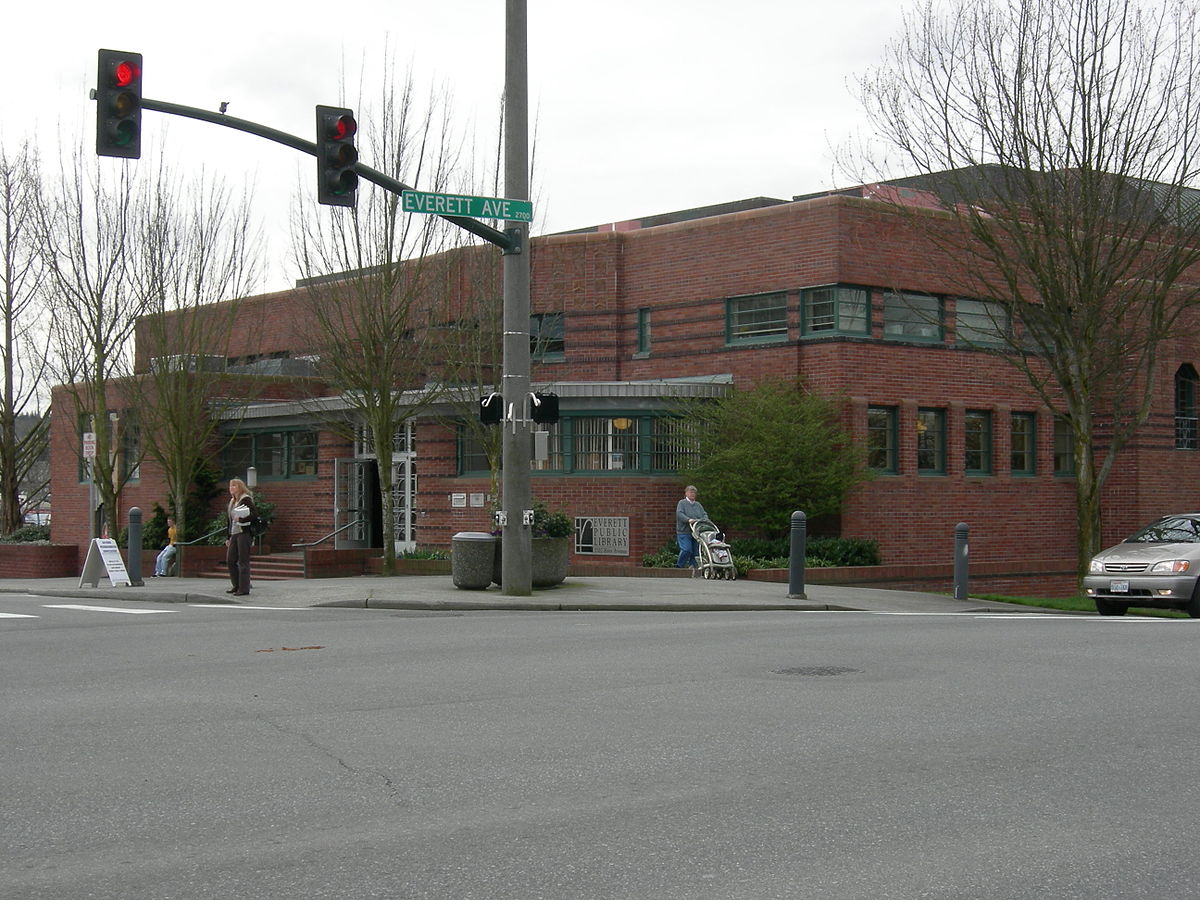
[[714, 559]]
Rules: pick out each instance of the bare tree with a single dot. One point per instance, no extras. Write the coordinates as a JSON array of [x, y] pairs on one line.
[[1059, 140], [22, 344], [201, 257], [368, 332], [88, 223]]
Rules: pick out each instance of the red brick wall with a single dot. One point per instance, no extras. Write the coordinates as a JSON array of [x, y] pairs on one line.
[[39, 560]]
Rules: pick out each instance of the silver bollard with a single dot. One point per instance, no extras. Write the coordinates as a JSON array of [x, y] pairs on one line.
[[961, 577], [797, 550], [134, 551]]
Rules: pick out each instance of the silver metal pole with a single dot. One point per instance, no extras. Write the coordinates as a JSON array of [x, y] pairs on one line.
[[516, 550]]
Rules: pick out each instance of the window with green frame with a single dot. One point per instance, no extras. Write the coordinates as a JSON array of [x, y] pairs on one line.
[[835, 309], [981, 323], [1023, 443], [881, 439], [275, 455], [610, 443], [643, 330], [547, 338], [931, 441], [756, 319], [1064, 447], [977, 442], [912, 316], [1186, 433]]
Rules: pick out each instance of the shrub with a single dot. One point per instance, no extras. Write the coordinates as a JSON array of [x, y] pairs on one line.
[[844, 551], [756, 553], [422, 553], [551, 524], [28, 534]]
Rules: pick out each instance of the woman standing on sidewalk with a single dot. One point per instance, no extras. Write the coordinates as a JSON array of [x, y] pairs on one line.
[[237, 544]]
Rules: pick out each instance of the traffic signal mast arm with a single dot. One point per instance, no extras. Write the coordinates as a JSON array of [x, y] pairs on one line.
[[506, 241]]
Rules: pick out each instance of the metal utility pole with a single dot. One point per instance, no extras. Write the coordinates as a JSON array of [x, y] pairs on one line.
[[516, 501]]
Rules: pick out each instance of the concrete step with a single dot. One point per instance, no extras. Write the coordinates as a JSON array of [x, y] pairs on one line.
[[265, 567]]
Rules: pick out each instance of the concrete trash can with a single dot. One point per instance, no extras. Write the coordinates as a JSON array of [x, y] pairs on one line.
[[472, 554]]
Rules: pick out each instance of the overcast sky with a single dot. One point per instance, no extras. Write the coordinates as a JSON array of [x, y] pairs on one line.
[[642, 106]]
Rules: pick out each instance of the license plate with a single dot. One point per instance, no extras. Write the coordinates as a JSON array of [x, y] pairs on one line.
[[1118, 587]]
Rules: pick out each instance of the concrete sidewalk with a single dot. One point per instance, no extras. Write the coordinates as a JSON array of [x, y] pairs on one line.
[[576, 593]]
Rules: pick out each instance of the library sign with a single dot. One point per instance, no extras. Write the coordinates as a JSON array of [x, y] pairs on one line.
[[602, 535]]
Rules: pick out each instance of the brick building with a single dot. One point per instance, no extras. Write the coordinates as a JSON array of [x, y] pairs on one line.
[[633, 316]]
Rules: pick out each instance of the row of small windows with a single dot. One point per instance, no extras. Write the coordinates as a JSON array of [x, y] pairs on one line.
[[619, 443], [846, 310], [930, 442], [824, 311]]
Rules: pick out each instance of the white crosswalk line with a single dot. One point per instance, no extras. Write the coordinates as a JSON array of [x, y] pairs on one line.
[[17, 616], [240, 606]]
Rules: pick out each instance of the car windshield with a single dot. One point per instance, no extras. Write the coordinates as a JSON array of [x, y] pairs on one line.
[[1175, 530]]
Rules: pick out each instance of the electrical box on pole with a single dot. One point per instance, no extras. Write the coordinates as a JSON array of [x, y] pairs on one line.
[[337, 182], [119, 104]]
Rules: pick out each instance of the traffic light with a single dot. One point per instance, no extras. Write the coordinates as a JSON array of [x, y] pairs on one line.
[[491, 409], [119, 104], [545, 408], [336, 156]]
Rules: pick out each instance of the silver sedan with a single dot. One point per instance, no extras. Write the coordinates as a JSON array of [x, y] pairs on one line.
[[1157, 567]]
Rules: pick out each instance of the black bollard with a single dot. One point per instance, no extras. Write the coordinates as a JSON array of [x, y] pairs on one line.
[[961, 577], [134, 551], [798, 549]]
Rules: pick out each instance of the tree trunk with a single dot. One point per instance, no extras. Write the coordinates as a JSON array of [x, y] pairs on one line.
[[383, 459]]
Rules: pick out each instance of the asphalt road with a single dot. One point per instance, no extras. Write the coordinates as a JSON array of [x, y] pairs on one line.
[[204, 752]]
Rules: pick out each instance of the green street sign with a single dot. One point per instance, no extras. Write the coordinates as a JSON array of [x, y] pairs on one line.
[[462, 205]]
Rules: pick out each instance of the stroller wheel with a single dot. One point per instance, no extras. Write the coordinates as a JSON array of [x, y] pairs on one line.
[[707, 572]]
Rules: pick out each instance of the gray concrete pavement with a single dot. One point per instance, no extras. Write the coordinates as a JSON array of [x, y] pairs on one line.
[[577, 593]]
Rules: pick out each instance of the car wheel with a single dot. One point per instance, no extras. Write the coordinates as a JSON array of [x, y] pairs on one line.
[[1110, 608], [1193, 606]]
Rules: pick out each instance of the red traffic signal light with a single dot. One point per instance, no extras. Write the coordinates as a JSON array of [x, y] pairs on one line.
[[337, 181], [119, 104]]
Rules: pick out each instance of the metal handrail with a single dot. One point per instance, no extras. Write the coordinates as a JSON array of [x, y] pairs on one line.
[[331, 534], [199, 539]]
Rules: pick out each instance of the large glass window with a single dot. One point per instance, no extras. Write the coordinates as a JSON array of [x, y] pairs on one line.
[[274, 454], [671, 444], [762, 317], [912, 316], [835, 309], [1186, 382], [881, 439], [981, 322], [602, 444], [1023, 443], [977, 442], [931, 441]]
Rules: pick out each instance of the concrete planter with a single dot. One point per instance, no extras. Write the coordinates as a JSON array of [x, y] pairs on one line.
[[549, 564]]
